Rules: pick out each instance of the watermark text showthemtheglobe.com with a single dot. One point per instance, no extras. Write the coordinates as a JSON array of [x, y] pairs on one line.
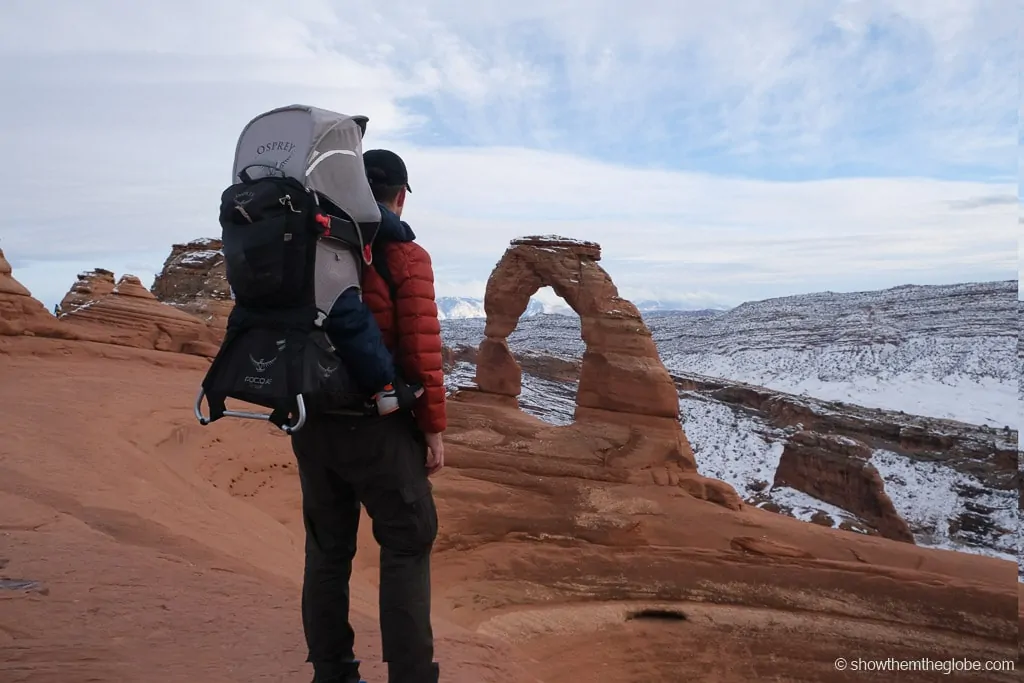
[[945, 666]]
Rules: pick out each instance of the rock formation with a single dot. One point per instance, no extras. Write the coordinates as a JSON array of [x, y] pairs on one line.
[[20, 313], [837, 470], [538, 364], [131, 316], [91, 286], [621, 369], [971, 462], [627, 409], [591, 577], [194, 280]]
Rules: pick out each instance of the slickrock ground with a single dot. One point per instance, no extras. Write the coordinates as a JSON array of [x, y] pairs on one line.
[[138, 567], [139, 546], [156, 549]]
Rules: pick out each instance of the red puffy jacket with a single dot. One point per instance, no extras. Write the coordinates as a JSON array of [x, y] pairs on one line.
[[411, 329]]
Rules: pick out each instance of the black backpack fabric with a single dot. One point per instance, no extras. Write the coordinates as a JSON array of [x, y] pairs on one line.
[[298, 225], [274, 351]]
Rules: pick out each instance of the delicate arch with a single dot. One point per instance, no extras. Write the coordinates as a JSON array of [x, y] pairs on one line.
[[621, 370]]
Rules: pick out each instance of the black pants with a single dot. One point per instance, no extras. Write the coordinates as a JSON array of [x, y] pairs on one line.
[[379, 462]]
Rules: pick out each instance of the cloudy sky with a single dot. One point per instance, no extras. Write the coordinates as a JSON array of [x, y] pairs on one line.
[[718, 151]]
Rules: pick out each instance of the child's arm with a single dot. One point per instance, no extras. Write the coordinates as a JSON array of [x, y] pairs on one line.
[[359, 343]]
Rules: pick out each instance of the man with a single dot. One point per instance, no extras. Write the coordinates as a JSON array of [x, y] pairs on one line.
[[382, 462]]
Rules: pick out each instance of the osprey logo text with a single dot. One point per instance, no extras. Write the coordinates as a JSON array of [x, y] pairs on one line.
[[327, 372], [261, 365], [275, 155]]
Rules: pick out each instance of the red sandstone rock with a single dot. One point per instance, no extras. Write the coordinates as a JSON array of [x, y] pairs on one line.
[[131, 316], [91, 286], [20, 313], [623, 387], [621, 369], [194, 279], [837, 470], [195, 533]]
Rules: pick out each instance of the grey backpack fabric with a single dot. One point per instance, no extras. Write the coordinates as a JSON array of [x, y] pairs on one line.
[[298, 227], [323, 150]]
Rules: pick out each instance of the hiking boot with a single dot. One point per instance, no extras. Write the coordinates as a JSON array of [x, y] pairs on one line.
[[397, 396]]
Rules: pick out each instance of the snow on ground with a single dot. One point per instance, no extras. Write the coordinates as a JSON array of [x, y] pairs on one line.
[[729, 446], [963, 380], [928, 496], [922, 492], [554, 402], [461, 374], [199, 258], [972, 380], [804, 506], [737, 447], [742, 451]]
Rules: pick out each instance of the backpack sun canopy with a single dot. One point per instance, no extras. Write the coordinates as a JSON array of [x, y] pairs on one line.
[[321, 149]]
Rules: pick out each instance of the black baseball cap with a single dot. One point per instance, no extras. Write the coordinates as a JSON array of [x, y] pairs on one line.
[[385, 168]]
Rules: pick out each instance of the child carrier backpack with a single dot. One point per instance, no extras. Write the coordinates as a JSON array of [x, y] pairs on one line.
[[298, 226]]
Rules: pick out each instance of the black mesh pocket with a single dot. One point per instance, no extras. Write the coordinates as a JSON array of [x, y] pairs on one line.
[[268, 237]]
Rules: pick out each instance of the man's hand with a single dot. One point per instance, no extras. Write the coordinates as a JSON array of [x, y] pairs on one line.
[[435, 453]]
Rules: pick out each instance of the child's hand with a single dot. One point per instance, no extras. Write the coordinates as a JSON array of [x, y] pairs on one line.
[[407, 393]]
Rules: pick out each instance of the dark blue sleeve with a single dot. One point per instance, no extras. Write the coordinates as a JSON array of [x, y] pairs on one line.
[[358, 342]]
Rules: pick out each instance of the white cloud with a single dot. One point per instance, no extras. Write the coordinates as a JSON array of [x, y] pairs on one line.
[[663, 231], [805, 79], [128, 113]]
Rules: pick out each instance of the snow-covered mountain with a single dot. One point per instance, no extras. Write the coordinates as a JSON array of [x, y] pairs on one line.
[[946, 351], [460, 308], [457, 307]]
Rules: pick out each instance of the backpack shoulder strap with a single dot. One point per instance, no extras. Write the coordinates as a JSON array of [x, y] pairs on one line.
[[380, 264]]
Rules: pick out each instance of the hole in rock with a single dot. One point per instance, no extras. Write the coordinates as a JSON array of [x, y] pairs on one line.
[[656, 615], [548, 344]]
